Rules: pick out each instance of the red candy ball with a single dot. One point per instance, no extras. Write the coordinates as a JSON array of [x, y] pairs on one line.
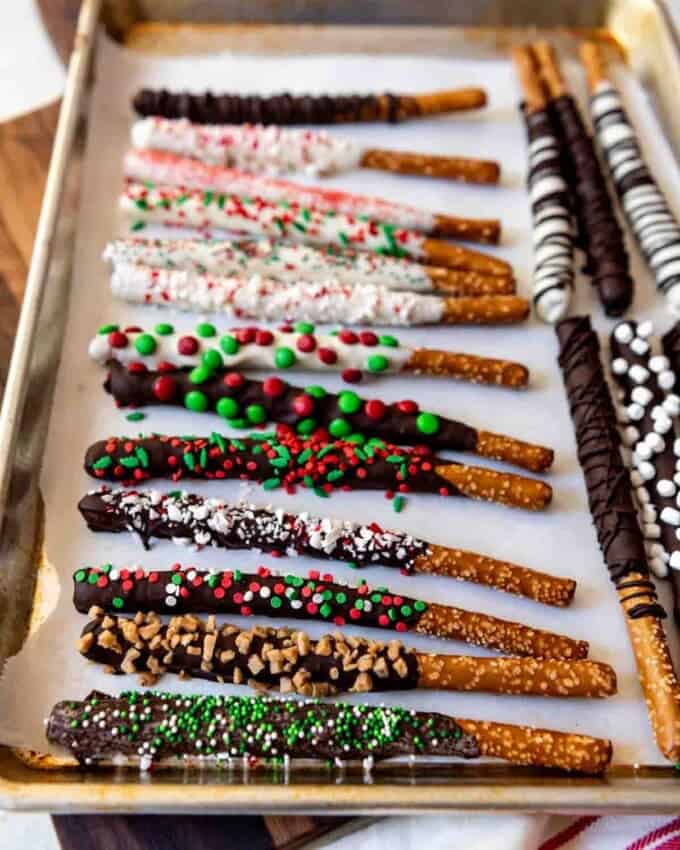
[[234, 380], [117, 339], [165, 366], [164, 388], [352, 376], [245, 335], [347, 336], [187, 345], [136, 368], [407, 406], [273, 387], [286, 329], [264, 338], [303, 405], [133, 329], [368, 338], [306, 343], [327, 356], [375, 409]]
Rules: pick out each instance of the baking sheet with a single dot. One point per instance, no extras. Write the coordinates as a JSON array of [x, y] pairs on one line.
[[560, 541]]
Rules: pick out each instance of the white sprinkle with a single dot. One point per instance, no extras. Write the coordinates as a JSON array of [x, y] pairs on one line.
[[671, 404], [675, 559], [646, 470], [655, 442]]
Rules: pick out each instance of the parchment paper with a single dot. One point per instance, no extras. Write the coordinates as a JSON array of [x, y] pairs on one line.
[[560, 541]]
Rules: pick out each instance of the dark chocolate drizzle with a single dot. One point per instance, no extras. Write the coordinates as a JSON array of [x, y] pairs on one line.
[[599, 233], [160, 726], [598, 446], [670, 343], [284, 108]]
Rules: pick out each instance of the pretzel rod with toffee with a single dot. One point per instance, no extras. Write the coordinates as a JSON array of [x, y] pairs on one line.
[[611, 504], [272, 149], [246, 403], [187, 590], [212, 522], [599, 233], [648, 408], [353, 354], [289, 660], [292, 263], [285, 108], [167, 169], [553, 238], [272, 300], [652, 221], [217, 730], [286, 460]]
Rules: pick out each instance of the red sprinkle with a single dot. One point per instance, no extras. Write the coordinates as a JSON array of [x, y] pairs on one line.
[[306, 343], [218, 593], [354, 614], [165, 366], [136, 368]]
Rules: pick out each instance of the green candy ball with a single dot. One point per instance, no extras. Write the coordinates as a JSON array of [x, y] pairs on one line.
[[377, 363], [107, 329], [256, 414], [388, 341], [427, 423], [284, 358], [200, 374], [306, 426], [205, 329], [315, 391], [239, 422], [340, 428], [349, 402], [145, 344], [227, 408], [196, 401], [212, 359], [229, 344], [164, 329], [303, 327]]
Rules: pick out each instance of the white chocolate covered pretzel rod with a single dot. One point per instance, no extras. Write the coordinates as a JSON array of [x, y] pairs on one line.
[[168, 169]]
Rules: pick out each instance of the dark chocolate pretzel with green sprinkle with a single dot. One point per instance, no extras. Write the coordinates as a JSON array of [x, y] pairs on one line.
[[245, 403], [153, 728]]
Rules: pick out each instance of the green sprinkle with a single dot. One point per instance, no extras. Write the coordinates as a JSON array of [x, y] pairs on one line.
[[419, 605], [271, 484], [196, 401], [326, 610], [208, 198], [229, 344], [164, 329], [138, 225], [377, 363], [129, 462], [284, 357], [304, 456], [200, 374], [335, 475], [357, 439], [349, 402], [406, 610], [341, 597], [398, 504], [212, 359], [227, 408], [218, 440], [276, 602], [92, 578], [103, 463], [145, 344], [189, 460], [315, 391], [107, 329], [176, 578], [137, 416], [142, 456]]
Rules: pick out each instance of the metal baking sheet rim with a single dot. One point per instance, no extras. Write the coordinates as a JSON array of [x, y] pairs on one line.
[[624, 789]]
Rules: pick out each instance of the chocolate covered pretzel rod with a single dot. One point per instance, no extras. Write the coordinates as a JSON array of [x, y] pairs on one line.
[[167, 169], [652, 221], [267, 594], [611, 505], [212, 522], [648, 409], [351, 353], [272, 300], [289, 660], [273, 149], [553, 241], [149, 728], [599, 233], [285, 108], [292, 263], [244, 403]]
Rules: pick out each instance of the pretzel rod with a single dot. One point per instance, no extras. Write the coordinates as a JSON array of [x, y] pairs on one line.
[[288, 660], [611, 504], [351, 732], [272, 300], [167, 169], [274, 460], [291, 263], [599, 233], [648, 407], [245, 402], [277, 150], [553, 243], [244, 526], [266, 594], [284, 108], [348, 352], [652, 221]]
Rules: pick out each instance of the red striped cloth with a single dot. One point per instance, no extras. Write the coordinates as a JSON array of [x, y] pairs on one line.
[[617, 833]]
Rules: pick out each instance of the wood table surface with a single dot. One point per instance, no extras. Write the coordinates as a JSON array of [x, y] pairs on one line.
[[25, 147]]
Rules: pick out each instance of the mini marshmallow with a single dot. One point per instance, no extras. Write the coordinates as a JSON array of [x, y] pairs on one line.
[[619, 366], [643, 452], [624, 333], [638, 374], [671, 404], [645, 329], [666, 379], [662, 424], [658, 363], [642, 395], [655, 442], [670, 516], [676, 448], [666, 488], [639, 346], [635, 412], [675, 560]]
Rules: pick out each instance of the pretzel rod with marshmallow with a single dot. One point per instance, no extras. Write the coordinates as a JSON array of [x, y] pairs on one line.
[[285, 108], [273, 149], [168, 169], [292, 263], [652, 221], [273, 300], [352, 353]]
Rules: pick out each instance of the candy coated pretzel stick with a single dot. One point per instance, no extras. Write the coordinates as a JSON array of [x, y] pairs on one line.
[[288, 660], [350, 736]]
